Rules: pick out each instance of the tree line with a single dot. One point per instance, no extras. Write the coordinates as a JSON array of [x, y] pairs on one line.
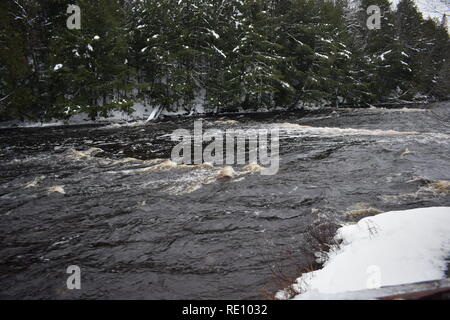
[[225, 55]]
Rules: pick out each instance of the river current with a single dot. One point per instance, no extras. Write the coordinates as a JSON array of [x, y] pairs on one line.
[[101, 198]]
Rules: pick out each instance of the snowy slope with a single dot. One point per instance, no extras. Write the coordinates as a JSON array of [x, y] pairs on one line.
[[434, 9], [392, 248]]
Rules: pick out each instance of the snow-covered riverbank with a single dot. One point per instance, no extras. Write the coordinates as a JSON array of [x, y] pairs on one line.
[[144, 113], [391, 248], [141, 113]]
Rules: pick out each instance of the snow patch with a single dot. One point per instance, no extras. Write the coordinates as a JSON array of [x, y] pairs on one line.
[[434, 9], [403, 246]]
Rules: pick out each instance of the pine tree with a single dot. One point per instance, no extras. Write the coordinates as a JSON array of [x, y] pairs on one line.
[[330, 68], [23, 57], [226, 54], [386, 64], [426, 43], [15, 70], [91, 63]]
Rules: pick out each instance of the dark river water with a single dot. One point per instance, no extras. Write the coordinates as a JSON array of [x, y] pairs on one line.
[[142, 231]]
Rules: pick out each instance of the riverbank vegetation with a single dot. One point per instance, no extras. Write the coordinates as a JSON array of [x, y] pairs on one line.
[[226, 55]]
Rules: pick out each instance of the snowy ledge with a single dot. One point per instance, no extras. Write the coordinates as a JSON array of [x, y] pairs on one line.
[[388, 249]]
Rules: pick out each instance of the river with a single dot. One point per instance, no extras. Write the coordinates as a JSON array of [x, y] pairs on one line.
[[94, 196]]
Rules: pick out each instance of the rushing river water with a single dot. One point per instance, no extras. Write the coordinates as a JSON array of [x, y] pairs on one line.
[[140, 230]]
